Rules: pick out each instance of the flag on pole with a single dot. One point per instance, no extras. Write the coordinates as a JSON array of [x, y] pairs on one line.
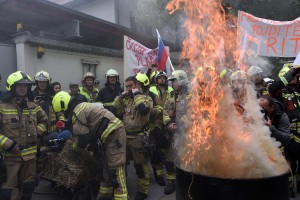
[[162, 54]]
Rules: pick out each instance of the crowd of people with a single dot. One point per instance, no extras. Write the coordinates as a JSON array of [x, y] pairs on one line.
[[136, 123]]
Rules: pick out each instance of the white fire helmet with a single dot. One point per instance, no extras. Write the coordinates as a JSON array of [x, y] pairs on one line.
[[160, 73], [111, 72], [238, 75], [253, 70], [88, 75], [42, 76], [180, 76]]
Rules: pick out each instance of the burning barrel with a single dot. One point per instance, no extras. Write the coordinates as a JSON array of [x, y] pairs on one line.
[[200, 187]]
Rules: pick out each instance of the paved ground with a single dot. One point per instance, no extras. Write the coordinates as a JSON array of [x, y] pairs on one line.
[[44, 192]]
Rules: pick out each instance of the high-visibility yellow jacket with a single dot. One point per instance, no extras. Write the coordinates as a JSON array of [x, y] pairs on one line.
[[22, 126], [90, 96], [156, 116]]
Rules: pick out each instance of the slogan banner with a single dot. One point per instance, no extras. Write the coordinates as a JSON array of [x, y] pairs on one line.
[[138, 58], [267, 37]]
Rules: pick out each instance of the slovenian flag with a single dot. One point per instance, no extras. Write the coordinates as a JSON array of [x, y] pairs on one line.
[[162, 54]]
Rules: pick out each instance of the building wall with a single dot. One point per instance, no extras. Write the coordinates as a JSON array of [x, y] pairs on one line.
[[103, 9], [65, 67], [8, 62]]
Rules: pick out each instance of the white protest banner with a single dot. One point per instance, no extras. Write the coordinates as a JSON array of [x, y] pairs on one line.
[[267, 37], [137, 57]]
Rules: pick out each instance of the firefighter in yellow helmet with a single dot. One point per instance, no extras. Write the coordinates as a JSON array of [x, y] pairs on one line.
[[286, 89], [88, 88], [90, 121], [135, 105], [21, 122], [174, 118]]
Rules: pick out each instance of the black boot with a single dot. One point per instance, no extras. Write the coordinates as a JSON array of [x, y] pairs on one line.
[[140, 196], [298, 186], [292, 193], [160, 181], [170, 187]]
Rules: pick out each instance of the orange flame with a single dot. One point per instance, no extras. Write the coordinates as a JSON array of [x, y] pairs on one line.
[[217, 141]]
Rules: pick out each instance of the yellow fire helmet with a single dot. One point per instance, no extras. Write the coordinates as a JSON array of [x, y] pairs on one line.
[[111, 72], [42, 76], [17, 77], [143, 78], [61, 101], [180, 76]]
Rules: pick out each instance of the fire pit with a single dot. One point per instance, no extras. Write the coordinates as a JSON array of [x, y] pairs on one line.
[[200, 187]]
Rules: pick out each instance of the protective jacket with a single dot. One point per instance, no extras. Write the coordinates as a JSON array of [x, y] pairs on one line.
[[156, 118], [21, 125], [47, 107], [88, 118], [291, 100], [177, 107], [90, 96], [136, 111]]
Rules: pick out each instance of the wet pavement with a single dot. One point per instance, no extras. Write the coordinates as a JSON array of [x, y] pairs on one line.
[[44, 192]]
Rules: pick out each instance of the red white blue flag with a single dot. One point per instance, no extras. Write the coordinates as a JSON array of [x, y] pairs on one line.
[[162, 54]]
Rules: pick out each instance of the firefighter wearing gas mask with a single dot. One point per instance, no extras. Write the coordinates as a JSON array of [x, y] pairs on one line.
[[21, 121], [135, 105], [91, 121]]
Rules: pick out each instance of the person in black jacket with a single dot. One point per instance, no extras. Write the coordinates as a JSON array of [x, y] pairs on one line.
[[76, 98], [276, 119], [111, 90]]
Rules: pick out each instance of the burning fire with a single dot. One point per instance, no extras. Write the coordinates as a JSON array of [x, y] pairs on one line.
[[217, 140]]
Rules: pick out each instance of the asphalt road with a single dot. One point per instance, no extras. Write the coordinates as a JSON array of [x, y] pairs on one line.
[[44, 192]]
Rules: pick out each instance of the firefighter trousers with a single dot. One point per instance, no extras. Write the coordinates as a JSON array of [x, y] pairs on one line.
[[113, 181], [136, 153]]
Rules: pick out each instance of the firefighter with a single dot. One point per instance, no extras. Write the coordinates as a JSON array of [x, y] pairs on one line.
[[111, 90], [21, 121], [88, 89], [225, 77], [43, 95], [287, 90], [157, 131], [260, 84], [238, 82], [173, 117], [90, 121], [136, 106]]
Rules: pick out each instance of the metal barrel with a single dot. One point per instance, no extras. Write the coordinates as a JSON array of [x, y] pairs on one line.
[[199, 187]]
